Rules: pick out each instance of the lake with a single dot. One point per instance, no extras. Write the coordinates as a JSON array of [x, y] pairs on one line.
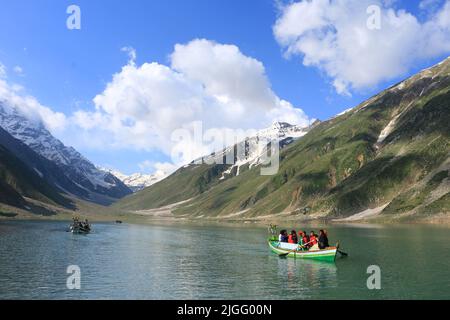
[[212, 262]]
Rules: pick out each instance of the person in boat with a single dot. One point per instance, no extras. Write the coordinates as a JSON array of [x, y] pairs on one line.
[[283, 236], [305, 239], [76, 222], [314, 242], [301, 240], [85, 224], [300, 237], [293, 237], [323, 240]]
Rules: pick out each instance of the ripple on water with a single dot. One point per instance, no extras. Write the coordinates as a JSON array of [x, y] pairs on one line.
[[191, 262]]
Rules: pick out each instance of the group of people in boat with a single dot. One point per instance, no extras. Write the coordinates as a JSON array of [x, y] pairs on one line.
[[305, 241], [84, 225]]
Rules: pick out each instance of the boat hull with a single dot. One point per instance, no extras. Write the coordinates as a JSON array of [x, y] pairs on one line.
[[328, 254], [77, 230]]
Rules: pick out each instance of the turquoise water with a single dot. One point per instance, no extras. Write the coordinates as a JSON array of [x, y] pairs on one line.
[[211, 262]]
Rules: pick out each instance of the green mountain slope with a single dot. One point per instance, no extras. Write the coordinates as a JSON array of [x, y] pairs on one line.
[[10, 196], [391, 150], [184, 184]]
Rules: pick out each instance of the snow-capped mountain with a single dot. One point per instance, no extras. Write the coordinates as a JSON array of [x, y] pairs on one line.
[[282, 130], [99, 184], [253, 150], [138, 181]]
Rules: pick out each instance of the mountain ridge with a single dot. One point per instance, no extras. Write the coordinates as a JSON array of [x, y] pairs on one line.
[[204, 174], [92, 184], [137, 181], [384, 152]]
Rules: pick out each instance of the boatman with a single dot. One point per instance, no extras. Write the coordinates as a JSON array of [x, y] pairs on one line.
[[323, 240]]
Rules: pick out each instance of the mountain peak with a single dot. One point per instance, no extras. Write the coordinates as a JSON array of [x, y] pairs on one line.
[[137, 181], [100, 185], [280, 125]]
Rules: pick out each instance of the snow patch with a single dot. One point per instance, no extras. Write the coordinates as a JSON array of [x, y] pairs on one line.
[[282, 132], [138, 181], [344, 112], [366, 214], [38, 172], [391, 125]]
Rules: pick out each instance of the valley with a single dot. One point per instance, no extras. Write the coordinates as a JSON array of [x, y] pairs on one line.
[[385, 160]]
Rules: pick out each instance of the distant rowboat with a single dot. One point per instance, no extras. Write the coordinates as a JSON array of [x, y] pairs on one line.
[[79, 229], [293, 251]]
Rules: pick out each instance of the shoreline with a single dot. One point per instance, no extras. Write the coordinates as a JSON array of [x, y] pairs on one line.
[[165, 215], [131, 218]]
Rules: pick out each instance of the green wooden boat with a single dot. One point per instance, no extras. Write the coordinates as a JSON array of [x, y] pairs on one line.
[[293, 251]]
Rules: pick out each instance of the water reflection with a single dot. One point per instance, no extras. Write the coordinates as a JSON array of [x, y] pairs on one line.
[[309, 274], [207, 262]]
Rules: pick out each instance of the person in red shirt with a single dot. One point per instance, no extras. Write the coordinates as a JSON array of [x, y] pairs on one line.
[[290, 240], [313, 238], [314, 241], [293, 237], [305, 239]]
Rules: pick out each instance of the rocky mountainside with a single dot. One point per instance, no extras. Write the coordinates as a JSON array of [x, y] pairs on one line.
[[45, 168], [19, 180], [195, 178], [389, 154], [252, 154], [81, 177]]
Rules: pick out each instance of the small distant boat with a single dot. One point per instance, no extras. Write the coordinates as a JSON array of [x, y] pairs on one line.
[[293, 251], [80, 228]]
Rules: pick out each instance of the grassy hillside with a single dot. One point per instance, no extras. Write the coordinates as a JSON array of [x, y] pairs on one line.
[[10, 196], [393, 149], [184, 184]]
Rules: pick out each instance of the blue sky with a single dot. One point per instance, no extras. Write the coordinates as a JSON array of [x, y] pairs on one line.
[[65, 69]]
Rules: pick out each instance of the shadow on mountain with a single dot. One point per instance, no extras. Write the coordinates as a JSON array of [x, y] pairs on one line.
[[8, 214], [42, 211]]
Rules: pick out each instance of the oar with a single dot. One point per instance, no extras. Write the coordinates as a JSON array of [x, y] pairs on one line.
[[341, 252], [282, 255]]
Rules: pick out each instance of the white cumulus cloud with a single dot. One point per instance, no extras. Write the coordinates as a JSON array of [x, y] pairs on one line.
[[332, 35], [205, 92], [12, 96], [158, 169], [18, 70], [206, 82], [131, 54]]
